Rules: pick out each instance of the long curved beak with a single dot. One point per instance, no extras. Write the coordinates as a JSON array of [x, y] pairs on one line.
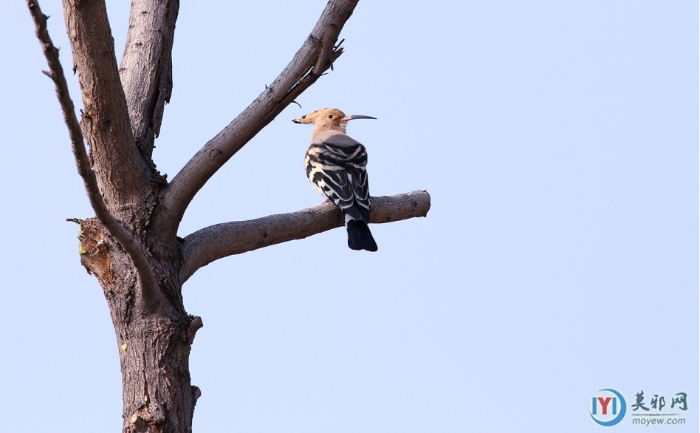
[[357, 116]]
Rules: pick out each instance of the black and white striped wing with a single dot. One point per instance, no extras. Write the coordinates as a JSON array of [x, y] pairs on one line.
[[337, 169]]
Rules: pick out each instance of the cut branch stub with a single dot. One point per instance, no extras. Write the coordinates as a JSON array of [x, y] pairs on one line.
[[195, 324]]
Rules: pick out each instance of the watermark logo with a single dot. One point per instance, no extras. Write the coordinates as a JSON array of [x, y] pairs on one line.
[[608, 407]]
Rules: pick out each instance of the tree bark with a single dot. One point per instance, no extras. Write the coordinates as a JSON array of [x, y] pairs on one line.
[[146, 68], [131, 246], [121, 171], [152, 327], [221, 240], [154, 348]]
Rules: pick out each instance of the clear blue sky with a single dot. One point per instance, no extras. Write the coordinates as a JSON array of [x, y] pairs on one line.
[[559, 142]]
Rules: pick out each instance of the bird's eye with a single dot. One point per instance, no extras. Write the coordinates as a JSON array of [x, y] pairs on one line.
[[330, 116]]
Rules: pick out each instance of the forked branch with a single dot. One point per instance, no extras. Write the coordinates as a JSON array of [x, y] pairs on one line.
[[315, 57], [121, 171], [221, 240], [115, 228]]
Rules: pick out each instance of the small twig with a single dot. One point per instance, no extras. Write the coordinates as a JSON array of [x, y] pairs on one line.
[[113, 226], [337, 50]]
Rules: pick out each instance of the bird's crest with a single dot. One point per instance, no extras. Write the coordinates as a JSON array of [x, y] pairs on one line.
[[328, 119]]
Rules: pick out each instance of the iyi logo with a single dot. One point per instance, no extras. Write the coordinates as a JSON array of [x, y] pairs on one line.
[[608, 407]]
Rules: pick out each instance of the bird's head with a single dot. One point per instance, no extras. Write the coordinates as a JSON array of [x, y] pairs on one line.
[[328, 119]]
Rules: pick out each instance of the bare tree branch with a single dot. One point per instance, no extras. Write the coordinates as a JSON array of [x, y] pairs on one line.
[[146, 68], [113, 226], [121, 171], [314, 57], [221, 240]]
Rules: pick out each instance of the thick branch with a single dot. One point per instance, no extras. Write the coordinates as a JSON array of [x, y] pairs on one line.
[[113, 226], [314, 57], [221, 240], [146, 67], [121, 171]]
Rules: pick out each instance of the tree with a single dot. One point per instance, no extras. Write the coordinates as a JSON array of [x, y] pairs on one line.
[[131, 245]]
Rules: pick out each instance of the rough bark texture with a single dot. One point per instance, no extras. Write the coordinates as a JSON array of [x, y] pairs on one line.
[[121, 171], [132, 247], [214, 242], [154, 348], [146, 68]]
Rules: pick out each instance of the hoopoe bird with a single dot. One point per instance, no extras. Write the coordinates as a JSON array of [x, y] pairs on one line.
[[336, 166]]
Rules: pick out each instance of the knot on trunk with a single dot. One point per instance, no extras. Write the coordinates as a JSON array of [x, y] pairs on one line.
[[142, 421], [94, 250]]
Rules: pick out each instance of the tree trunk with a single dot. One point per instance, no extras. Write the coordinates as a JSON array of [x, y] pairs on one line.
[[154, 348]]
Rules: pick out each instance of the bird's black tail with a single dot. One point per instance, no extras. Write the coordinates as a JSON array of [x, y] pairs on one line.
[[359, 236]]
